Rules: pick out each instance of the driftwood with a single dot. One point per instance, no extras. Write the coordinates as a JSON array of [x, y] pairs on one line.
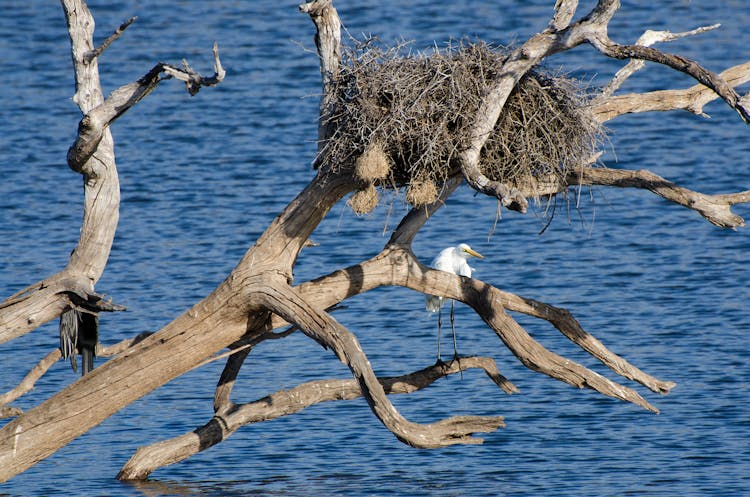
[[259, 296]]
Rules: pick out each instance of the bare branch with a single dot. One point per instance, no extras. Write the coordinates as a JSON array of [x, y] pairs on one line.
[[328, 42], [193, 80], [41, 368], [91, 128], [222, 400], [679, 63], [91, 55], [485, 300], [571, 328], [519, 62], [30, 379], [46, 300], [714, 208], [396, 265], [330, 334], [591, 29], [647, 39], [692, 99], [564, 12], [286, 402]]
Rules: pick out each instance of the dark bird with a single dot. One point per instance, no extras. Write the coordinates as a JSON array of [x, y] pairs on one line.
[[79, 334]]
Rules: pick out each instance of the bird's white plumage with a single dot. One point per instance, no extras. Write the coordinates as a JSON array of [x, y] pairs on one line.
[[451, 260]]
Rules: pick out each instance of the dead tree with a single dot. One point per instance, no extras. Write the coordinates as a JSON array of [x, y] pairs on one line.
[[259, 300]]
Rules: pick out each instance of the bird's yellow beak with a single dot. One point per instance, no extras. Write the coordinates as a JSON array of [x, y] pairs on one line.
[[474, 253]]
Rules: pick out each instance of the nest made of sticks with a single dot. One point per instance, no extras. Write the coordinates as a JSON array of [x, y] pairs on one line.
[[399, 120]]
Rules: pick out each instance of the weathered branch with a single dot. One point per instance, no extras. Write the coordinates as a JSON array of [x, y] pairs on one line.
[[485, 300], [110, 39], [564, 12], [328, 42], [716, 209], [41, 368], [591, 29], [93, 125], [47, 299], [92, 155], [691, 99], [679, 63], [220, 319], [222, 400], [397, 266], [286, 402], [647, 39], [564, 321], [193, 80], [329, 333], [30, 379], [519, 62]]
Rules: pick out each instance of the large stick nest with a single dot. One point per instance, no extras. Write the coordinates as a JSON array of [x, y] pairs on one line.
[[400, 121]]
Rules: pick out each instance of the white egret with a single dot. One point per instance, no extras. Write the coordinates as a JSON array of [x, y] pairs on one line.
[[451, 260]]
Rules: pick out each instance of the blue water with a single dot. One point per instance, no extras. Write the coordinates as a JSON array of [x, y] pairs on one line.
[[203, 176]]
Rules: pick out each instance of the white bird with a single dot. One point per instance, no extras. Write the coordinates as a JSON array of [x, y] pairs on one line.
[[451, 260]]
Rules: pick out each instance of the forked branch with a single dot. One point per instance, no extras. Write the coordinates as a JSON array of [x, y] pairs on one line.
[[93, 124], [396, 265], [46, 300], [647, 39], [325, 330], [691, 99], [716, 209], [678, 63], [91, 55], [286, 402]]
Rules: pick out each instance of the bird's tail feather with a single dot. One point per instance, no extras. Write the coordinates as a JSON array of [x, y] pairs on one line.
[[433, 303]]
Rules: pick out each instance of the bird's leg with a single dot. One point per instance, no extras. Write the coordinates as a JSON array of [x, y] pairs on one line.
[[453, 329], [440, 324], [455, 344]]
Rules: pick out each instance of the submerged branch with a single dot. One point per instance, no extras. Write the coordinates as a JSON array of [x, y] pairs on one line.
[[286, 402]]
